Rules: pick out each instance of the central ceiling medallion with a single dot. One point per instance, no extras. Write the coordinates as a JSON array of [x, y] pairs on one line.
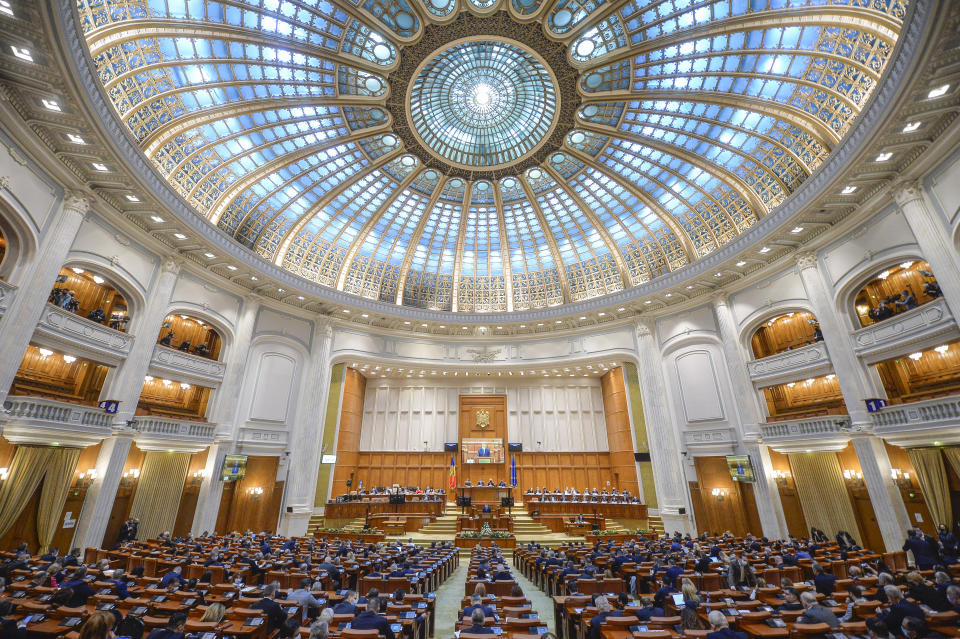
[[483, 103]]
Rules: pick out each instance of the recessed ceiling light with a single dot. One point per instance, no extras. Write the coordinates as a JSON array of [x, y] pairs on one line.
[[915, 356], [847, 190], [100, 166], [231, 267], [883, 157], [280, 290], [621, 309], [765, 249], [941, 349], [5, 7], [180, 236], [601, 314], [463, 328], [301, 297], [23, 54], [405, 323], [669, 295], [583, 317], [132, 198], [52, 105], [97, 279], [76, 270], [209, 255], [912, 126], [558, 322], [364, 315], [540, 324], [689, 287], [157, 219], [254, 278], [499, 328], [75, 139], [648, 302], [797, 229], [939, 91], [718, 274], [741, 263]]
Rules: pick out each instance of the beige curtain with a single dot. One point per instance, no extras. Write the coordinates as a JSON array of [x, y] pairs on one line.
[[26, 471], [62, 463], [823, 493], [157, 498], [932, 475], [952, 453]]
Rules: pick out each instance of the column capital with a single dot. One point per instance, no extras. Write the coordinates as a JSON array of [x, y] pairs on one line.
[[76, 202], [644, 327], [171, 265], [806, 260], [720, 298], [906, 191]]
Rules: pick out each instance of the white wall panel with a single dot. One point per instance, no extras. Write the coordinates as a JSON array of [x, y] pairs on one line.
[[887, 232], [699, 386], [945, 188], [563, 415], [271, 378]]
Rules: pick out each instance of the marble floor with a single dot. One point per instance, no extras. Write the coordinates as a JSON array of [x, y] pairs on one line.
[[451, 592]]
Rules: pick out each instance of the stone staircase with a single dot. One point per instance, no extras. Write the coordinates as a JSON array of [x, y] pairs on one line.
[[318, 521]]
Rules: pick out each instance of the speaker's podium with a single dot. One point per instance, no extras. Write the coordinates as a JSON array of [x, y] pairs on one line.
[[485, 494]]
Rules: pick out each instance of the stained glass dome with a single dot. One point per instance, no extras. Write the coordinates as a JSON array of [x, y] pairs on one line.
[[487, 155]]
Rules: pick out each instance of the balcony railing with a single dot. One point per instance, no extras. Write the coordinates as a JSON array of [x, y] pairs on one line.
[[930, 422], [163, 433], [914, 330], [6, 292], [67, 330], [186, 366], [36, 420], [808, 361], [829, 432]]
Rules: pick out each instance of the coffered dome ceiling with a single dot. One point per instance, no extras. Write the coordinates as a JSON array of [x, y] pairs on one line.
[[487, 155]]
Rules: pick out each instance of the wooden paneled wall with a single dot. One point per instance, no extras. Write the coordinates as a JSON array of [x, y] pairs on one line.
[[792, 511], [805, 398], [172, 400], [623, 467], [559, 470], [241, 511], [737, 512], [782, 333], [193, 330], [91, 295], [25, 528], [407, 469], [935, 374], [52, 377], [898, 279], [496, 405], [348, 435]]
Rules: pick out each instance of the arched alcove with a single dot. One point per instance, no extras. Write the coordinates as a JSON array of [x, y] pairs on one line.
[[785, 332], [895, 289], [90, 294], [190, 334]]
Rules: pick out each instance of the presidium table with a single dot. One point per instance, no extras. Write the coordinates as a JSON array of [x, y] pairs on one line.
[[485, 494]]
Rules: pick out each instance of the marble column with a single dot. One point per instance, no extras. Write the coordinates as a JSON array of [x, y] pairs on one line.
[[98, 503], [765, 492], [224, 415], [29, 302], [933, 236], [127, 381], [888, 507], [305, 449], [662, 435]]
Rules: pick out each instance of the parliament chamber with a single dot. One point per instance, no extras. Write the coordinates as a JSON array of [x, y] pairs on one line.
[[414, 319]]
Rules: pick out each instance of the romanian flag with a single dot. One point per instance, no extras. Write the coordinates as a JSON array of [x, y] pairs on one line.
[[453, 472]]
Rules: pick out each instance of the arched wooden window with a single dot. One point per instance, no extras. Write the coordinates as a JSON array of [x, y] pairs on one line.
[[785, 332], [894, 290], [90, 295], [190, 334], [922, 375], [811, 397]]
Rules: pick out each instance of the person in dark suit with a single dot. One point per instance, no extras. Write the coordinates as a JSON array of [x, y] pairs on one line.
[[174, 576], [604, 610], [719, 629], [370, 619], [899, 609], [348, 606], [275, 614], [476, 603], [483, 451], [924, 594], [824, 582], [815, 613], [924, 556], [8, 625], [477, 618], [502, 574], [174, 629], [486, 509], [78, 586]]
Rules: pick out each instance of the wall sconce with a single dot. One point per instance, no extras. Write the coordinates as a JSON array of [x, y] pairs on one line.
[[255, 491], [130, 476], [4, 473], [85, 479], [780, 477], [853, 477], [719, 493], [901, 478], [196, 477]]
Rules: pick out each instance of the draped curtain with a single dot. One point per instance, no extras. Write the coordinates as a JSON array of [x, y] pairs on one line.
[[157, 498], [932, 475], [952, 453], [52, 465], [823, 493]]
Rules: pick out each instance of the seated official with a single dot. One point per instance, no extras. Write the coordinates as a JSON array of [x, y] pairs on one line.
[[502, 574], [899, 610], [604, 610], [348, 606], [813, 612], [174, 628], [370, 619], [477, 618], [486, 509], [720, 629], [476, 603], [275, 614]]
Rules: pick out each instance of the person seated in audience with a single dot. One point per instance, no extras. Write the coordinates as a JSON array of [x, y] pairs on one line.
[[175, 577], [690, 619], [275, 614], [502, 484], [120, 584], [899, 609], [174, 629], [953, 598], [916, 628], [477, 618], [476, 603], [305, 598], [98, 626], [370, 619], [906, 301], [813, 612], [883, 579], [924, 594], [395, 571], [854, 596], [348, 606], [877, 629], [824, 582], [8, 624], [214, 613], [502, 574], [319, 630], [604, 610], [720, 629], [486, 509], [79, 588]]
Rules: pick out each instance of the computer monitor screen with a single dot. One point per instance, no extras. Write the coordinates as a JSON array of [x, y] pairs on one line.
[[482, 451]]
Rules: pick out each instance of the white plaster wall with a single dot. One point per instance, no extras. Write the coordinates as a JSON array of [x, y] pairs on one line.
[[886, 234], [944, 189], [562, 414], [192, 293], [271, 377]]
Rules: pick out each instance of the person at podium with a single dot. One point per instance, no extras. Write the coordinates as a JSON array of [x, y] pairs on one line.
[[483, 451], [486, 509], [467, 484], [502, 484], [490, 482]]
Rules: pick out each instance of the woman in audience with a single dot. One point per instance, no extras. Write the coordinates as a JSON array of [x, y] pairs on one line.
[[690, 620], [98, 626], [319, 630], [214, 613]]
